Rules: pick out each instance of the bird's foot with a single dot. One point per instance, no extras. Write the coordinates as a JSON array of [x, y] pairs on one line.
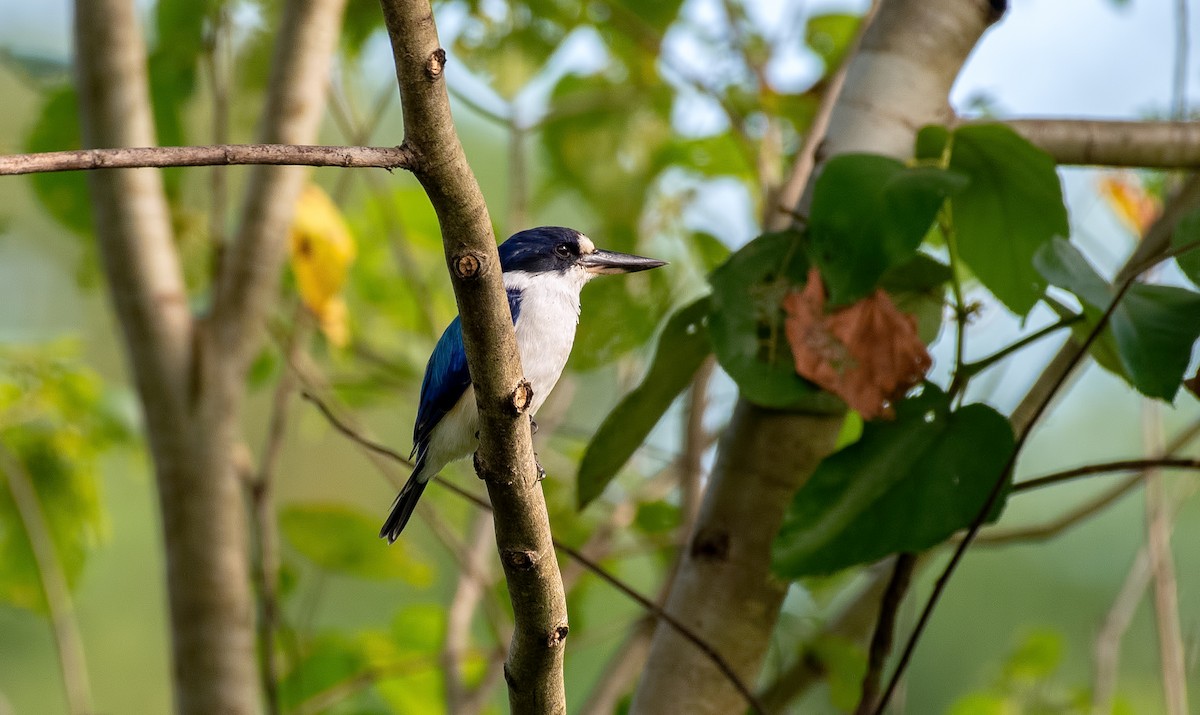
[[541, 472], [533, 428]]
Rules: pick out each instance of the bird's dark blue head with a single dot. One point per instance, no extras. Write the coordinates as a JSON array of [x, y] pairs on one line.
[[549, 249]]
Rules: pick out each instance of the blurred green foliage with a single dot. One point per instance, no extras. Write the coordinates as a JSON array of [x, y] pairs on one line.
[[615, 153], [56, 419]]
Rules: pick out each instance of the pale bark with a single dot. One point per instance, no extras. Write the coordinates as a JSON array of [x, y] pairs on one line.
[[190, 381], [505, 457], [1157, 145], [898, 82]]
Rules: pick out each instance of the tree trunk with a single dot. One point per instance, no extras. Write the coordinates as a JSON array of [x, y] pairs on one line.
[[190, 374]]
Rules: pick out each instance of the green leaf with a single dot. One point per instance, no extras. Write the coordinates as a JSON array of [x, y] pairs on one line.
[[421, 627], [682, 346], [918, 288], [859, 505], [931, 142], [746, 323], [361, 20], [64, 194], [1187, 238], [869, 213], [656, 517], [830, 35], [844, 663], [343, 540], [330, 659], [1152, 330], [57, 421], [710, 249], [1012, 206]]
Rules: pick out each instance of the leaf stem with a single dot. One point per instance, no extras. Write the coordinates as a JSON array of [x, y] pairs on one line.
[[972, 369], [959, 383]]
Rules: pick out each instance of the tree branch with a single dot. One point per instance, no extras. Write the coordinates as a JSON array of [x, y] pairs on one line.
[[885, 629], [219, 155], [505, 455], [1149, 144], [249, 274], [1123, 465]]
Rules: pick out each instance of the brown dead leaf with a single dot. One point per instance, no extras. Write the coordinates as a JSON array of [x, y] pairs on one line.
[[868, 353]]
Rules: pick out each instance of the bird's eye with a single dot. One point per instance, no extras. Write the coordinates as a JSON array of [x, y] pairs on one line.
[[562, 250]]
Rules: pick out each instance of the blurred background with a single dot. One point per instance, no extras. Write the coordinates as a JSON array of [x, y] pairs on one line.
[[640, 129]]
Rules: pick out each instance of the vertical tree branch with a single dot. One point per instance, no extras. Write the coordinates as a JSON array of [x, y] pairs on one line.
[[1162, 571], [71, 661], [898, 81], [299, 84], [505, 455], [1107, 650], [471, 589]]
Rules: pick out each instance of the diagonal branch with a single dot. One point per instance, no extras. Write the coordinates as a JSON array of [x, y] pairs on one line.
[[59, 609], [585, 562], [505, 455], [217, 155]]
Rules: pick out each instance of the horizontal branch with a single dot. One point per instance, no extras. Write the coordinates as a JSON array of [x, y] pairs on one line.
[[389, 158], [1149, 144], [1125, 465]]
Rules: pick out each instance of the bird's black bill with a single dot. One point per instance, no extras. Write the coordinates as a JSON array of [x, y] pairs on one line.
[[607, 262]]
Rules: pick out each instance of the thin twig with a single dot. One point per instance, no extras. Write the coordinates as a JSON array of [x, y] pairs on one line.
[[1108, 641], [1162, 571], [467, 595], [397, 157], [997, 489], [264, 533], [595, 568], [67, 641], [1124, 465], [1087, 509], [885, 629]]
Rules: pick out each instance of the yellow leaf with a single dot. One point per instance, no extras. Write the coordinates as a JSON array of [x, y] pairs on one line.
[[1129, 200], [322, 249]]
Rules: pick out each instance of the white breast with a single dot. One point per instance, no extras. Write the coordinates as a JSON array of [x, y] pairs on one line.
[[545, 325]]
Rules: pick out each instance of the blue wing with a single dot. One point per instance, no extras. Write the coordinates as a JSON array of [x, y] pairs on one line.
[[446, 377]]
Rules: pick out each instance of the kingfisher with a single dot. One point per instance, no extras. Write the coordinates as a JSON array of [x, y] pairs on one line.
[[544, 271]]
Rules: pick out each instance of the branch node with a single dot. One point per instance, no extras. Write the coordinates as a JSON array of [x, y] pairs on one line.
[[521, 560], [558, 636], [435, 65], [467, 266], [522, 398], [710, 545]]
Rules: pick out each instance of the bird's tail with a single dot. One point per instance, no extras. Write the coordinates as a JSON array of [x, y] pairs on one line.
[[402, 508]]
